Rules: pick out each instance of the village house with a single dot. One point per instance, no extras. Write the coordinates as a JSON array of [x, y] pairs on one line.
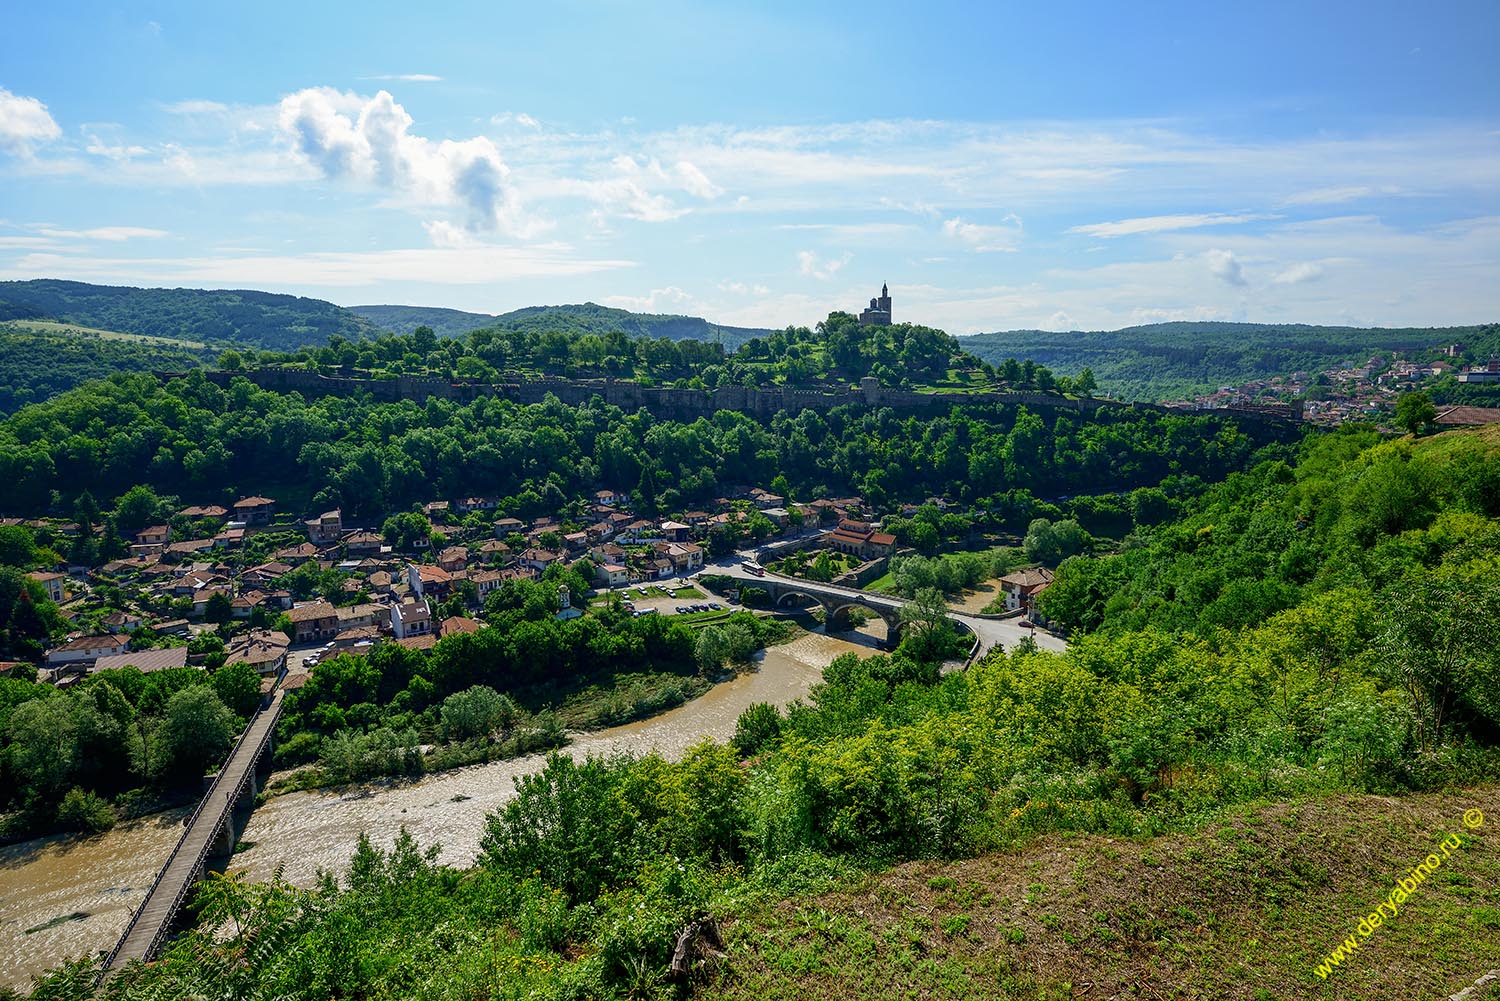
[[368, 614], [381, 581], [326, 528], [87, 649], [263, 649], [763, 499], [471, 504], [202, 596], [453, 559], [611, 498], [540, 559], [145, 661], [187, 549], [296, 555], [494, 551], [54, 583], [436, 510], [364, 544], [858, 538], [424, 579], [1022, 587], [314, 622], [576, 542], [230, 538], [244, 604], [611, 575], [676, 531], [155, 535], [213, 511], [411, 618], [121, 622], [508, 526], [254, 510], [485, 581], [685, 557], [457, 624]]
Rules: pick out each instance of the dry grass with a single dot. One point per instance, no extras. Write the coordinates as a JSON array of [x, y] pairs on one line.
[[1242, 910]]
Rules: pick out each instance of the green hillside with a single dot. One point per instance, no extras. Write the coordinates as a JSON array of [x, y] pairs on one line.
[[256, 319], [405, 319], [41, 358], [579, 318], [591, 318], [1169, 360]]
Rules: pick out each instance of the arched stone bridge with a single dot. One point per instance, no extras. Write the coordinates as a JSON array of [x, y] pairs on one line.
[[837, 600]]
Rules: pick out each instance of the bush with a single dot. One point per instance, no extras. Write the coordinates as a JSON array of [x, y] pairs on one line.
[[84, 811]]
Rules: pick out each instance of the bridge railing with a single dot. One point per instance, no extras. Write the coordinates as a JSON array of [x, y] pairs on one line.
[[187, 831]]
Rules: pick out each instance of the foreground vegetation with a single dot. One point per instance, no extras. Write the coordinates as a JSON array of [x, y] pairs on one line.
[[1164, 725]]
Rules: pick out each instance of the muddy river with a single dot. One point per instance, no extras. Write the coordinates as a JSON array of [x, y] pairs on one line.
[[64, 897]]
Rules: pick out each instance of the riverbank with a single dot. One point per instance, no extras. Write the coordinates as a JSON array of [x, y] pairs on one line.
[[105, 876]]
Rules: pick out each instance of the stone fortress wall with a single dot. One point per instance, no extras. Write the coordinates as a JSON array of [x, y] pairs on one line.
[[690, 404]]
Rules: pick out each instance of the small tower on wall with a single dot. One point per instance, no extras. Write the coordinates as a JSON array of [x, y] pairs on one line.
[[879, 313]]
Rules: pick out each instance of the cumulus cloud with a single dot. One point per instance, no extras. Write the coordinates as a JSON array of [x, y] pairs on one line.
[[985, 239], [1164, 223], [1299, 273], [812, 266], [369, 141], [119, 152], [1225, 267], [24, 122]]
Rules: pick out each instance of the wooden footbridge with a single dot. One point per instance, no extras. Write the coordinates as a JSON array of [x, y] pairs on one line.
[[209, 837]]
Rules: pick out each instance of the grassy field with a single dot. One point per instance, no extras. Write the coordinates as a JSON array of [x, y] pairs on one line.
[[1246, 908], [67, 329]]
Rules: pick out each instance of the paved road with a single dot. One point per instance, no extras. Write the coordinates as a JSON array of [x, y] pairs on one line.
[[991, 632]]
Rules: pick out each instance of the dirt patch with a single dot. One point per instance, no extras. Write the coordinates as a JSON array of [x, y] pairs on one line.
[[1246, 908]]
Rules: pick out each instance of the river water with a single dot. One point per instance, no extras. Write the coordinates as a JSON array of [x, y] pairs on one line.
[[88, 887]]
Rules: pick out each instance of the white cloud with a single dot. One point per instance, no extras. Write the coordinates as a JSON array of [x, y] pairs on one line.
[[515, 117], [478, 264], [1225, 267], [985, 239], [741, 288], [812, 266], [1331, 196], [368, 140], [660, 300], [118, 152], [114, 234], [405, 77], [1060, 321], [695, 182], [1298, 273], [196, 107], [24, 122], [1164, 223]]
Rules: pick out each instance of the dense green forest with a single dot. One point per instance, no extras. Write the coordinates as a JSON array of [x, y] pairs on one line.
[[837, 349], [582, 318], [258, 319], [1317, 624], [1170, 360], [39, 364], [595, 319], [194, 439], [406, 319]]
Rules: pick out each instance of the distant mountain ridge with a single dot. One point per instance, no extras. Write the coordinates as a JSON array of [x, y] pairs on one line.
[[1166, 360], [264, 320], [587, 317]]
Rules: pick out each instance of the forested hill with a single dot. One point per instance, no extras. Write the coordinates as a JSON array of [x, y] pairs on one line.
[[1168, 360], [591, 318], [579, 318], [256, 319], [406, 319]]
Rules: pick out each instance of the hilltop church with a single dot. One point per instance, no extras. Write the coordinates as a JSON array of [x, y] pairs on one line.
[[879, 313]]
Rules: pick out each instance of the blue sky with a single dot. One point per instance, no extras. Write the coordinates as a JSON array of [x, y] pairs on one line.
[[1061, 166]]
